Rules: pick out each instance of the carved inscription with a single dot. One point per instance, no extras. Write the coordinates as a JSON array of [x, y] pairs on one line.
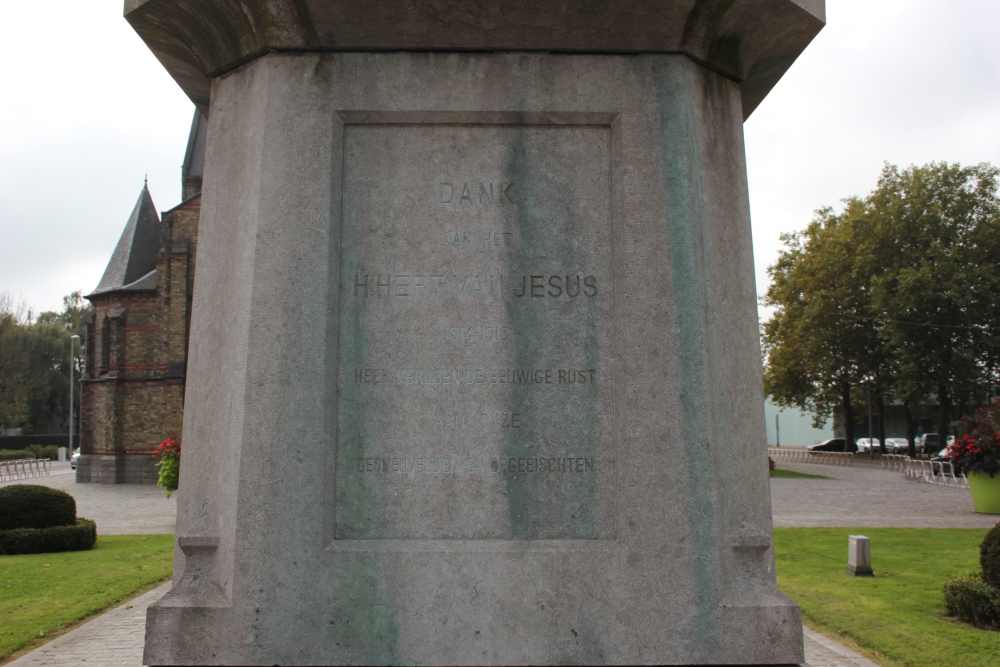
[[494, 376], [476, 378], [438, 286]]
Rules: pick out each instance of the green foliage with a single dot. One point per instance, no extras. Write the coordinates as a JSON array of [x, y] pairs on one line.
[[34, 366], [50, 452], [168, 460], [77, 537], [897, 617], [781, 472], [973, 600], [989, 557], [33, 506], [820, 341], [44, 595], [977, 445], [22, 441], [897, 292], [31, 452]]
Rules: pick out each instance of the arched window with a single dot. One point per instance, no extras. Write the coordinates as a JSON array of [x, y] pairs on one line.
[[105, 344]]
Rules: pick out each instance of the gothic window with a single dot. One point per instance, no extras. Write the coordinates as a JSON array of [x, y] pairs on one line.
[[105, 344]]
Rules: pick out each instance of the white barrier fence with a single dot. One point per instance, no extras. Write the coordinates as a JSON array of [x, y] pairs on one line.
[[23, 469], [805, 456], [934, 472], [894, 462]]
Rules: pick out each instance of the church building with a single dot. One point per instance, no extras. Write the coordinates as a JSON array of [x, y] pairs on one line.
[[137, 339]]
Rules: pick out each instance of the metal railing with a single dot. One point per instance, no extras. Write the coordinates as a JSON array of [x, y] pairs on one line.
[[791, 455], [894, 462], [934, 472], [23, 469]]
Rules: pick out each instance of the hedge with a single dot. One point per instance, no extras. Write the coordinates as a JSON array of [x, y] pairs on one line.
[[15, 454], [33, 506], [78, 537], [973, 600], [22, 441], [989, 557]]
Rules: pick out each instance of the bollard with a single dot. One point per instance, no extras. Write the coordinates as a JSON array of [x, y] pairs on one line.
[[859, 556]]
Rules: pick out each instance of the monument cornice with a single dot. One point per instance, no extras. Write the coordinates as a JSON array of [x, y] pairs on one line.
[[750, 41]]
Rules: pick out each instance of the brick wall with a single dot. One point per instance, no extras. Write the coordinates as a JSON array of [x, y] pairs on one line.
[[133, 391]]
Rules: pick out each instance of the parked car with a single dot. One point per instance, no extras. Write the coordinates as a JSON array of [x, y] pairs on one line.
[[930, 443], [866, 444], [833, 445], [944, 456], [897, 445], [74, 459]]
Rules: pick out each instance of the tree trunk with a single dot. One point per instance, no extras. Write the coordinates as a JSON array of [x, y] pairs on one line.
[[880, 404], [911, 429], [944, 418], [845, 396]]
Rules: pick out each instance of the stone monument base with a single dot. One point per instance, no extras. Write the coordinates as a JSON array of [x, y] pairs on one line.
[[474, 371], [116, 469]]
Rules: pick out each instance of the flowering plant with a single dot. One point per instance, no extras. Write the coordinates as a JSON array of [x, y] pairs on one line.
[[168, 460], [977, 445]]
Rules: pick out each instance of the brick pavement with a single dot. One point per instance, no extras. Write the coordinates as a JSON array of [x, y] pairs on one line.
[[859, 496]]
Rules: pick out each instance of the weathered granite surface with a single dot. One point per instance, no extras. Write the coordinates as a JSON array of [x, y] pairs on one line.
[[474, 372], [751, 41]]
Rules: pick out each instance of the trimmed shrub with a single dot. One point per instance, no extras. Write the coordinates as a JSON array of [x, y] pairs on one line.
[[33, 506], [989, 557], [22, 441], [78, 537], [973, 600], [15, 454], [50, 452]]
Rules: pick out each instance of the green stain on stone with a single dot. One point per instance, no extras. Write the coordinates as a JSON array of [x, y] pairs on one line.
[[548, 505], [685, 196], [361, 617], [358, 495]]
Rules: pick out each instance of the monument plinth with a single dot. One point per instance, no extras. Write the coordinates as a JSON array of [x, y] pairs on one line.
[[474, 371]]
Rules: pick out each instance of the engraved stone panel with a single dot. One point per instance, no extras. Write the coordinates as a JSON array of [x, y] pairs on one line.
[[475, 388]]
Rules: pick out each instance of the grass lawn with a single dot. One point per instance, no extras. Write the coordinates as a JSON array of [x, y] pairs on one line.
[[897, 617], [42, 595], [778, 472]]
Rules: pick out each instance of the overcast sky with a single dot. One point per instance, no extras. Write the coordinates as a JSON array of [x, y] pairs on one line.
[[88, 113]]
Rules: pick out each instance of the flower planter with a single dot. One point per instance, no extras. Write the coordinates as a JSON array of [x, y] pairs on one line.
[[985, 492]]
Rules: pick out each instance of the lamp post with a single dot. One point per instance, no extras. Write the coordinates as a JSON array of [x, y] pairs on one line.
[[72, 381]]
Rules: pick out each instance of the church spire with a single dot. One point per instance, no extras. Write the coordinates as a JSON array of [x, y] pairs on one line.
[[135, 255]]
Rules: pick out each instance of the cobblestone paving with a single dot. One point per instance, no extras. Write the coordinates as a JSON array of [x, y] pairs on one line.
[[863, 495], [118, 509]]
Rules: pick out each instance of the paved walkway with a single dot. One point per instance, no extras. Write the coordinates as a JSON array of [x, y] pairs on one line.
[[863, 495], [146, 510]]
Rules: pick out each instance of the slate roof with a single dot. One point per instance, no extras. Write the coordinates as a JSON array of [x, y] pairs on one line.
[[133, 264], [194, 156]]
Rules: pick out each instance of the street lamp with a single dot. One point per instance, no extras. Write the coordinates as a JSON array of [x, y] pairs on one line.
[[72, 381]]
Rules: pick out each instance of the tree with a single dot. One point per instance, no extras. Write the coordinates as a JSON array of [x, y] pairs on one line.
[[896, 293], [937, 231], [52, 334], [14, 362], [821, 340], [34, 366]]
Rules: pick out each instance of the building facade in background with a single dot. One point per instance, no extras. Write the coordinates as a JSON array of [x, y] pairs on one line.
[[136, 344]]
